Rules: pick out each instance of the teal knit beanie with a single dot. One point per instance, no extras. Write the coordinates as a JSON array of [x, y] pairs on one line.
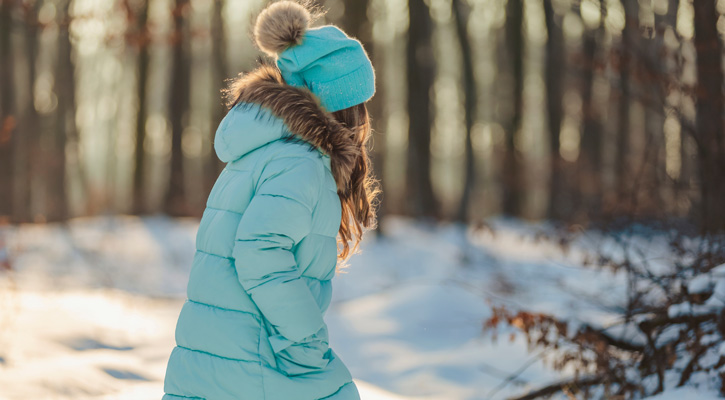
[[333, 66]]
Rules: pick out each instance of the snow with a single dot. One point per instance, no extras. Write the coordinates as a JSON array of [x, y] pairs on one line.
[[89, 309], [684, 393], [679, 310], [700, 284], [718, 271]]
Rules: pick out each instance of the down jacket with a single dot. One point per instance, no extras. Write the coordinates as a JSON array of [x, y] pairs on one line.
[[252, 326]]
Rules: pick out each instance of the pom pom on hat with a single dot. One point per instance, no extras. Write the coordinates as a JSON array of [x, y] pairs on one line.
[[281, 25]]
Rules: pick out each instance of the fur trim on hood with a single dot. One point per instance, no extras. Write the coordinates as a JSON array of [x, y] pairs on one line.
[[304, 116]]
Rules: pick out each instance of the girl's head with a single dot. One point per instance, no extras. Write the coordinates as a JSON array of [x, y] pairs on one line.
[[337, 71]]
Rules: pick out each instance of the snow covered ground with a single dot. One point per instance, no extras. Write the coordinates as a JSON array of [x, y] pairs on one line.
[[88, 310]]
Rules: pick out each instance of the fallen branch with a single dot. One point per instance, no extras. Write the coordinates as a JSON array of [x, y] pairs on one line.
[[664, 320], [612, 341], [690, 368]]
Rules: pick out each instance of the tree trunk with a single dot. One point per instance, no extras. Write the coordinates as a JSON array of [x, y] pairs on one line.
[[421, 74], [709, 136], [683, 182], [378, 118], [654, 184], [356, 23], [355, 20], [630, 36], [554, 76], [461, 13], [175, 202], [56, 200], [590, 157], [221, 72], [28, 160], [8, 119], [139, 171], [512, 168]]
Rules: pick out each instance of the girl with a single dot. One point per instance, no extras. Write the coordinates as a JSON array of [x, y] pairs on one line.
[[297, 176]]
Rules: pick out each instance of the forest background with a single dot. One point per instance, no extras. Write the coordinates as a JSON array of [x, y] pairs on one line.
[[573, 111]]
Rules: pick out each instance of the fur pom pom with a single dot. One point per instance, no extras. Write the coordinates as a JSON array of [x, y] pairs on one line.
[[280, 26]]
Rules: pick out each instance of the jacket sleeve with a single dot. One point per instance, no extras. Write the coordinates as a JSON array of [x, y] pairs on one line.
[[276, 219]]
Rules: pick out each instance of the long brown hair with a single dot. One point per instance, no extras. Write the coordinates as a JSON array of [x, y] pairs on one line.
[[359, 201]]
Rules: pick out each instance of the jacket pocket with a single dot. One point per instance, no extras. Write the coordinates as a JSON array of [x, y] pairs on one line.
[[306, 356]]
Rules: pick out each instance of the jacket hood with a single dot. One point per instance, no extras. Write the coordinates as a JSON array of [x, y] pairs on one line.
[[267, 109]]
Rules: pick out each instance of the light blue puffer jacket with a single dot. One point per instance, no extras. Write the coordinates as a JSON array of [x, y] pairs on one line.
[[252, 327]]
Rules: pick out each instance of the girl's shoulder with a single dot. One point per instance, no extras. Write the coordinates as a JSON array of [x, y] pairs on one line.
[[292, 152]]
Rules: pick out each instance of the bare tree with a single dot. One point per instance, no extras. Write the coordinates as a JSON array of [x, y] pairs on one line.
[[221, 72], [630, 35], [378, 118], [589, 164], [28, 162], [355, 20], [554, 77], [357, 23], [175, 202], [421, 75], [142, 39], [56, 201], [461, 13], [7, 110], [512, 169], [709, 134], [657, 80], [686, 167]]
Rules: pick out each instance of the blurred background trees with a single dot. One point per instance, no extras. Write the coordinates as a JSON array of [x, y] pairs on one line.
[[577, 111]]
